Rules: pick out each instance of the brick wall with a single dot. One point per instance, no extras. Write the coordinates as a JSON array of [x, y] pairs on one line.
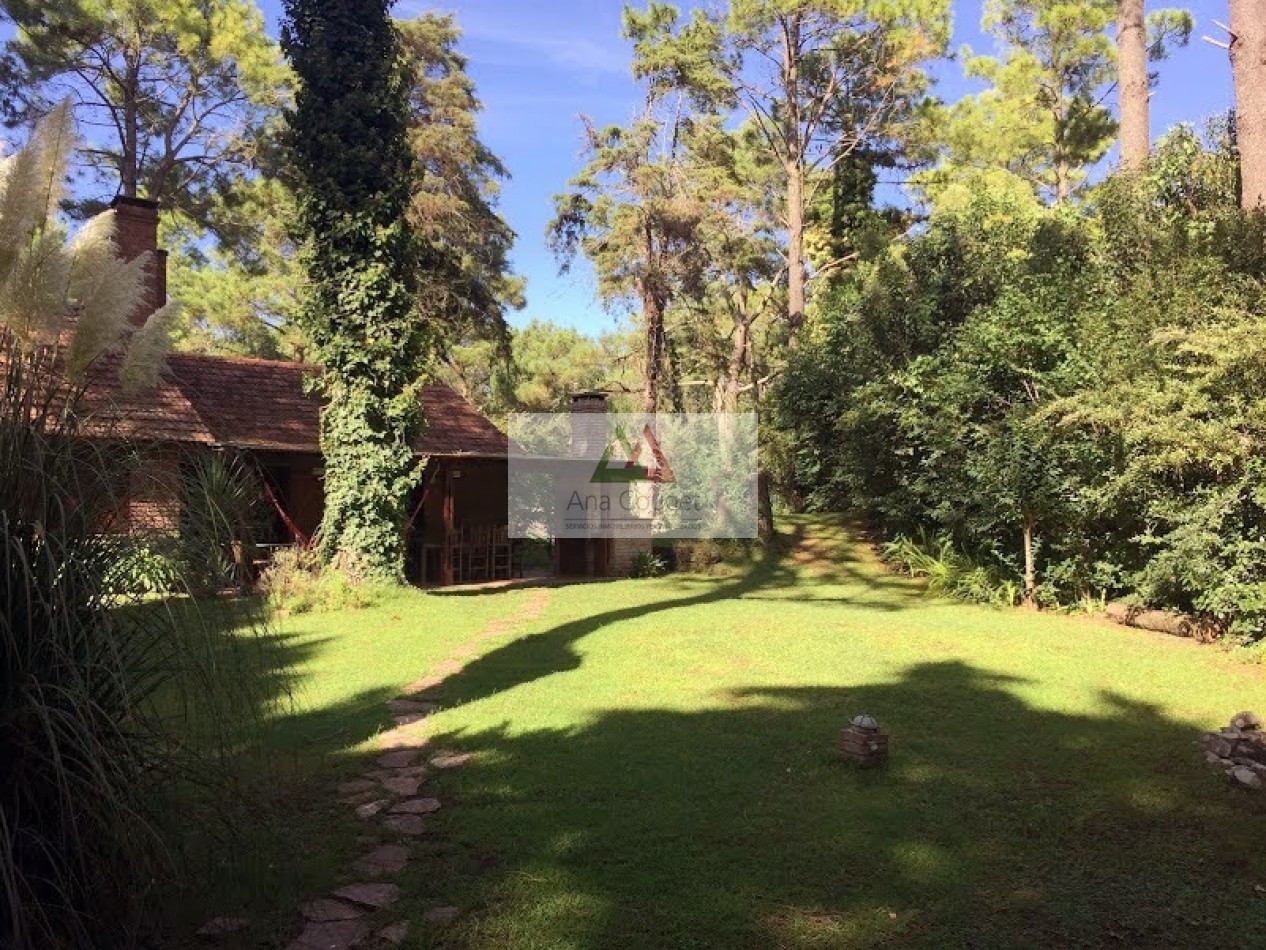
[[153, 499]]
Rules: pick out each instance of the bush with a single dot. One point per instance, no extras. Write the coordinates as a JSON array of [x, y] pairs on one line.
[[296, 582], [710, 556], [648, 564], [949, 572], [142, 566], [221, 506]]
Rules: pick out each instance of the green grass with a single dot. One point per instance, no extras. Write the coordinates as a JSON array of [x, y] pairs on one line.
[[655, 766]]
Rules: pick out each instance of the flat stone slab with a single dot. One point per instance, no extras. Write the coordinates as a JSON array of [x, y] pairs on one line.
[[376, 896], [335, 935], [402, 785], [327, 910], [369, 809], [399, 759], [401, 707], [412, 825], [409, 719], [222, 926], [393, 934], [417, 688], [402, 737], [450, 761], [356, 786], [441, 915], [384, 859], [362, 797], [416, 806]]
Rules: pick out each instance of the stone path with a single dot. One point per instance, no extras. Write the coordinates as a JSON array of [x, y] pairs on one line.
[[389, 799]]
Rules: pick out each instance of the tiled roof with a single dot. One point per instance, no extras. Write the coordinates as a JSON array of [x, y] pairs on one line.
[[261, 404]]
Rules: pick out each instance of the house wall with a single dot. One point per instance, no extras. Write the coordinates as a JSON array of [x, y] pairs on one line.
[[152, 506]]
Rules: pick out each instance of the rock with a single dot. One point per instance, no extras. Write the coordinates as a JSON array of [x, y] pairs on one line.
[[402, 785], [410, 771], [1212, 758], [384, 859], [393, 934], [421, 686], [335, 935], [409, 719], [401, 707], [416, 806], [1247, 721], [369, 809], [1246, 777], [399, 758], [440, 915], [412, 825], [450, 761], [362, 798], [1220, 747], [222, 926], [327, 910], [356, 786], [376, 896]]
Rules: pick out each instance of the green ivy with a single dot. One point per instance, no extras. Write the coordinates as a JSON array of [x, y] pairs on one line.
[[354, 169]]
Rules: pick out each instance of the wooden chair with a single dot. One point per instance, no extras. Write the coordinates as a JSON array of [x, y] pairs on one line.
[[502, 561]]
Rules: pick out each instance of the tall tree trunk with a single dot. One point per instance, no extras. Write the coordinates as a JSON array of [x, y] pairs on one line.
[[129, 172], [1030, 566], [1132, 84], [653, 321], [796, 277], [1248, 71], [794, 148], [736, 367]]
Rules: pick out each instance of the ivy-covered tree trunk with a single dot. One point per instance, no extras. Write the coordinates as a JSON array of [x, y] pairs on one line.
[[354, 170]]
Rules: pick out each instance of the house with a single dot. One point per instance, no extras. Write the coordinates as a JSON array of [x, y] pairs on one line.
[[260, 408], [457, 529]]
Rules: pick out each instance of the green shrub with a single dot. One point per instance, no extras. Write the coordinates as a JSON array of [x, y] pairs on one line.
[[711, 556], [142, 566], [222, 505], [648, 564], [296, 582], [950, 572]]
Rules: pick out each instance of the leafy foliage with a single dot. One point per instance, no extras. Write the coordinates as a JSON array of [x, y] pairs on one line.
[[1079, 388], [354, 169]]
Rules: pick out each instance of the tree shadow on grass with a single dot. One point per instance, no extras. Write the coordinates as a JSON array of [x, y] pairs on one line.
[[995, 824], [773, 576], [254, 827]]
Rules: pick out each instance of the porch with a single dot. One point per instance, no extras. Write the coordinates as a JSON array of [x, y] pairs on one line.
[[457, 530]]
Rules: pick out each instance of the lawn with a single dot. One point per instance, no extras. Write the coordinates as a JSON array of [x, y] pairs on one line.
[[654, 765]]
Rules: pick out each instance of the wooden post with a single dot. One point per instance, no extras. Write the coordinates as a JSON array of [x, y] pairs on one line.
[[446, 551]]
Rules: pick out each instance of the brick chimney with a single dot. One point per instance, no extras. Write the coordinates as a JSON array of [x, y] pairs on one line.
[[136, 231], [588, 425]]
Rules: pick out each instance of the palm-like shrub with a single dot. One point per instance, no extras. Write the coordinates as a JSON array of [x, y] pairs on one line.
[[79, 736]]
